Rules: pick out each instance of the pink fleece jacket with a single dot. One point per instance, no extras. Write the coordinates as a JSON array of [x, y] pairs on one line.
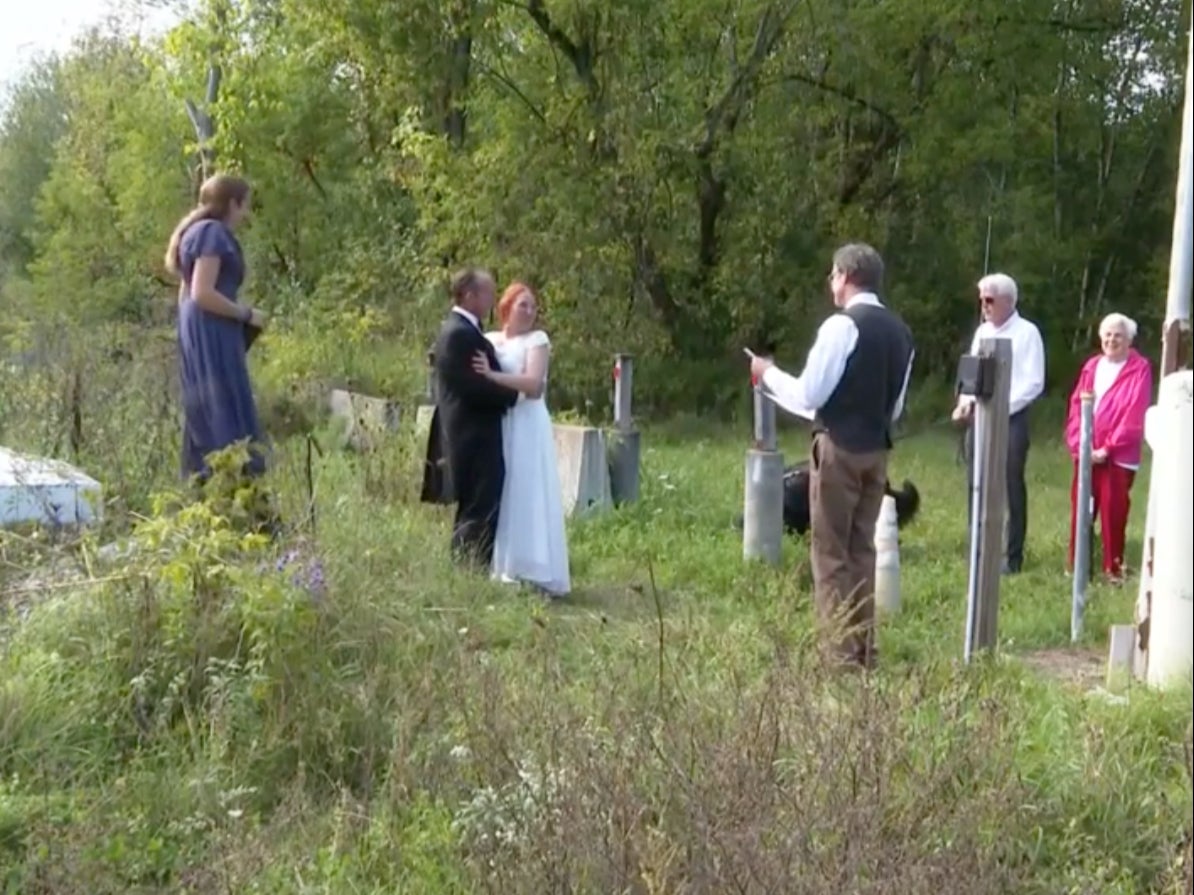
[[1119, 416]]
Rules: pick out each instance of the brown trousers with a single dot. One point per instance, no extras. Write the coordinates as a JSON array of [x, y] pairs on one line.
[[845, 494]]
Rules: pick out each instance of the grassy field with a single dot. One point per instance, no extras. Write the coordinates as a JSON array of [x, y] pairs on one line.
[[211, 714]]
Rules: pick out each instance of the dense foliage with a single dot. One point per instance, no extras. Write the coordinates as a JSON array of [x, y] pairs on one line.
[[672, 173], [185, 707]]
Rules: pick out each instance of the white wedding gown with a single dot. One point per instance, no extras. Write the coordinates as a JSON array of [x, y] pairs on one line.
[[531, 544]]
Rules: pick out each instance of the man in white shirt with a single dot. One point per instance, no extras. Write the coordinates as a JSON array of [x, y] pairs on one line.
[[853, 387], [999, 295]]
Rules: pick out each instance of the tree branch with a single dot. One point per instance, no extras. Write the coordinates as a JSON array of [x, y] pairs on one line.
[[513, 88], [847, 93], [581, 54], [722, 116]]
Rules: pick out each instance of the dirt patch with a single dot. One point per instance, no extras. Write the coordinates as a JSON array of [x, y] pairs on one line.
[[1082, 667]]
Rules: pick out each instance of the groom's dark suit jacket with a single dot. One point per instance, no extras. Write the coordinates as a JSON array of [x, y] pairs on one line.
[[467, 421]]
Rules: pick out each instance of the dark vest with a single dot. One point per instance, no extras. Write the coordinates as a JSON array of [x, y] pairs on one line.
[[857, 415]]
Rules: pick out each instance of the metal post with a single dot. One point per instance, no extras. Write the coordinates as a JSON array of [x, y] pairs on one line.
[[1082, 516], [625, 443], [764, 429], [977, 484], [1177, 324], [990, 497], [763, 513], [623, 390]]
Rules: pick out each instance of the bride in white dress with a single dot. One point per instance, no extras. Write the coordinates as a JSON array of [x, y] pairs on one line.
[[531, 546]]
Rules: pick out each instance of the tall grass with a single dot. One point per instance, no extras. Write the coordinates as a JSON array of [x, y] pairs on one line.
[[342, 712]]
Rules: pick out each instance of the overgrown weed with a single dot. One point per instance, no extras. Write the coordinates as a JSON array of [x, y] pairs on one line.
[[200, 711]]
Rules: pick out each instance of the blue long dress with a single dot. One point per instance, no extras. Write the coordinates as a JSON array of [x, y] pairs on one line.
[[218, 406]]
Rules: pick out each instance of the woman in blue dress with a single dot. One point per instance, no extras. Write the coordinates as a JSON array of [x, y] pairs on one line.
[[214, 328]]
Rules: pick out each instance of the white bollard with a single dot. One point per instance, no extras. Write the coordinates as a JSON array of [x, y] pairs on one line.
[[887, 559], [1171, 623], [1120, 654]]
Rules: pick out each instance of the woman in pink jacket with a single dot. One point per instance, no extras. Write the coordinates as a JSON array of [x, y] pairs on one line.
[[1121, 381]]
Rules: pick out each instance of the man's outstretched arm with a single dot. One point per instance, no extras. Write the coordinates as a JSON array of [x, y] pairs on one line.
[[806, 394]]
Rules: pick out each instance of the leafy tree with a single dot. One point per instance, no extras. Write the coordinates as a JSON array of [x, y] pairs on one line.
[[671, 175]]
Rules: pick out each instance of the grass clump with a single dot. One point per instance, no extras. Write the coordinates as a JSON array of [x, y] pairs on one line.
[[203, 709]]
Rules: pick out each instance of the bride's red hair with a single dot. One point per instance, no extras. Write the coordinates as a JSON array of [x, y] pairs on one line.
[[506, 303]]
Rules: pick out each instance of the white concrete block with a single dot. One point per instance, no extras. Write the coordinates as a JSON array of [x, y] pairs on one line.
[[1120, 656], [423, 416], [50, 492], [583, 468], [367, 419]]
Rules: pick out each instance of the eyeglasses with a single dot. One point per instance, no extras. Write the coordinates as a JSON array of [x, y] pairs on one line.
[[987, 299]]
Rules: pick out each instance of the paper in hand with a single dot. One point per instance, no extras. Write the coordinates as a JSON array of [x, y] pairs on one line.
[[251, 334]]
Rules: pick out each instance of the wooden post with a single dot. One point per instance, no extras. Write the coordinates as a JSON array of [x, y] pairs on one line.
[[990, 496]]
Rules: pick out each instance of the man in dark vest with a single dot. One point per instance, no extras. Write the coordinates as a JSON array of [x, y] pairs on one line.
[[853, 389]]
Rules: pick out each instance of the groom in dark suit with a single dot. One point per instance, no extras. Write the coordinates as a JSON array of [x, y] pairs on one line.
[[468, 419]]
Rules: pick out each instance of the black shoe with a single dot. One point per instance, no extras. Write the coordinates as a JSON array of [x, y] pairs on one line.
[[1010, 568]]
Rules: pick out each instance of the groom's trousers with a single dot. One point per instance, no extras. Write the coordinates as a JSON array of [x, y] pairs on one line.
[[477, 477]]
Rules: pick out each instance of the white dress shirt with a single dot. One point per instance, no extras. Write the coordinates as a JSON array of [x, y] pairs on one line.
[[836, 340], [1106, 372], [1028, 359]]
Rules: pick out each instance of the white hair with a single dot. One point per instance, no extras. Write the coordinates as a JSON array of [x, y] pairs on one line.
[[1119, 321], [1001, 284]]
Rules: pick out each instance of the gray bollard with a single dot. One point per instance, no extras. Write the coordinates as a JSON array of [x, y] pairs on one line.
[[763, 513], [1082, 517], [625, 442]]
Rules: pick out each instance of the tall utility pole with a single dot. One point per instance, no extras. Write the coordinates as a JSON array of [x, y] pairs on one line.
[[1177, 302], [1177, 327]]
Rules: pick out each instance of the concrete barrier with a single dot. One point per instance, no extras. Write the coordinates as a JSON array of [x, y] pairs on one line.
[[583, 469], [49, 492], [367, 420], [423, 416]]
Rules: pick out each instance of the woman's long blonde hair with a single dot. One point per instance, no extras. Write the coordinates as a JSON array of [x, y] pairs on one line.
[[215, 202]]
